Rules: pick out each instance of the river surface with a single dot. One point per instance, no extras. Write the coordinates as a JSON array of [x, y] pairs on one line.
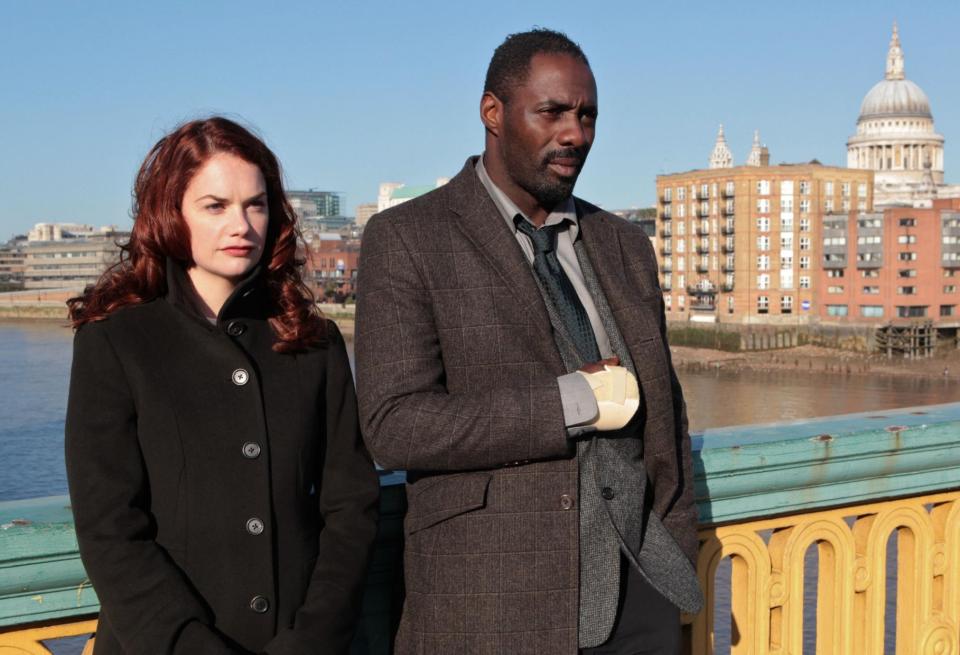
[[35, 369]]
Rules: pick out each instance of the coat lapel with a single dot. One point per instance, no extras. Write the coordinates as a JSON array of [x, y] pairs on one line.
[[483, 225]]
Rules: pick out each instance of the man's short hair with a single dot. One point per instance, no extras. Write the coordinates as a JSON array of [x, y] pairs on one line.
[[511, 60]]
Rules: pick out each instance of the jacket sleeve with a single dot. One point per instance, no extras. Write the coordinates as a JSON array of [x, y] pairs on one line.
[[410, 419], [349, 494], [151, 605]]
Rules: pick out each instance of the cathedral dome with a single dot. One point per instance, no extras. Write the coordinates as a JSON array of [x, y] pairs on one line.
[[895, 98]]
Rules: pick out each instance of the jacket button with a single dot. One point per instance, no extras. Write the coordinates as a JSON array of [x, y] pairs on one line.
[[259, 604], [607, 493], [240, 377], [254, 526], [251, 450], [236, 328], [566, 502]]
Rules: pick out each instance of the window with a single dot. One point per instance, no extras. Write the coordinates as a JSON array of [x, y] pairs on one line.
[[907, 222], [705, 208], [728, 207], [681, 193], [836, 310], [704, 190], [908, 238], [804, 224], [948, 310], [763, 224], [907, 272], [871, 311], [835, 272], [682, 211], [906, 291], [786, 204], [870, 272], [912, 311], [845, 190], [804, 188], [871, 290], [713, 190], [763, 281], [786, 261], [729, 189], [763, 263], [828, 188], [949, 239], [786, 279], [681, 264], [804, 262], [668, 301], [836, 288], [786, 188], [804, 281], [873, 239], [845, 206], [804, 206], [786, 222], [763, 304], [949, 272], [804, 243], [862, 190], [828, 205], [862, 206], [786, 241], [786, 304], [870, 222], [763, 243], [949, 288], [693, 192], [763, 187], [763, 205], [667, 195], [681, 227], [835, 241], [907, 256], [729, 304], [681, 301], [682, 281]]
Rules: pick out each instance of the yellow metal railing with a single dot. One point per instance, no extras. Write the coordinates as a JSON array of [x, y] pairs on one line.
[[767, 560], [29, 641]]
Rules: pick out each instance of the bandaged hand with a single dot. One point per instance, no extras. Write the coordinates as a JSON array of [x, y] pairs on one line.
[[617, 395]]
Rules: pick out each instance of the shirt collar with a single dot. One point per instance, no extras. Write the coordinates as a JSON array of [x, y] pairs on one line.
[[565, 211]]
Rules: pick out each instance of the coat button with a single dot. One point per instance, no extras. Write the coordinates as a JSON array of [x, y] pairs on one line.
[[566, 502], [254, 526], [240, 377], [259, 604], [251, 450], [607, 493], [236, 328]]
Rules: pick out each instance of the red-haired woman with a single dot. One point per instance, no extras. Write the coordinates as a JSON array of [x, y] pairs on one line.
[[223, 499]]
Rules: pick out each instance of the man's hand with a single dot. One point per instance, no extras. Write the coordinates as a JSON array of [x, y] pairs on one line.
[[596, 367], [616, 391]]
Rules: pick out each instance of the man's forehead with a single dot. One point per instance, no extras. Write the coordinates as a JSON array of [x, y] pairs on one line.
[[551, 72]]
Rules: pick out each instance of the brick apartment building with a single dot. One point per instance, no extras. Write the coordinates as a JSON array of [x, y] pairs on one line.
[[331, 265]]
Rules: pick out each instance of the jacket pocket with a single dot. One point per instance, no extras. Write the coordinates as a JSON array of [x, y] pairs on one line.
[[442, 499]]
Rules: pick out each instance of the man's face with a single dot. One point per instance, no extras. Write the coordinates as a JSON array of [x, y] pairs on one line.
[[548, 127]]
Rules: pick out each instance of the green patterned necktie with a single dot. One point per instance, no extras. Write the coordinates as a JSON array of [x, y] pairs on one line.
[[559, 289]]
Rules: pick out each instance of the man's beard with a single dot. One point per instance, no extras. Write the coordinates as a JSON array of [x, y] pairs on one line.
[[544, 185]]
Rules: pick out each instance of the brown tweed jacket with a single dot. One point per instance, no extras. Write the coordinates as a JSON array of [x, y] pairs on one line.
[[456, 376]]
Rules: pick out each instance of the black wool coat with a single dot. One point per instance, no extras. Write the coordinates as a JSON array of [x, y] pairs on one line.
[[224, 501]]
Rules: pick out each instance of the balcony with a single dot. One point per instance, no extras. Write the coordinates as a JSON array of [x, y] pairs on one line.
[[666, 231], [728, 268], [728, 211], [666, 268], [702, 268], [666, 198], [727, 193], [666, 218], [727, 249], [666, 251], [765, 495], [666, 286], [727, 230], [726, 287]]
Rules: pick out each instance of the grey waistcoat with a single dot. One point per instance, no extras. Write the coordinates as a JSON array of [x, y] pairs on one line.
[[623, 523]]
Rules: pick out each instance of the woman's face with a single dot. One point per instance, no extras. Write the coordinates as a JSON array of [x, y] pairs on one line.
[[225, 208]]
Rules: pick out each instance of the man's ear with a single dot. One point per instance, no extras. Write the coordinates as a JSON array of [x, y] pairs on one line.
[[491, 112]]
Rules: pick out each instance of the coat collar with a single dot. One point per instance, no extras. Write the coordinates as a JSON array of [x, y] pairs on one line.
[[246, 300]]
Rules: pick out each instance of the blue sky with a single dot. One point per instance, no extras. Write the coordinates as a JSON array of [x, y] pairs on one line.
[[349, 94]]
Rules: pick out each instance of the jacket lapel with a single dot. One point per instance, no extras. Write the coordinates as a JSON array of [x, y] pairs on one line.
[[481, 222]]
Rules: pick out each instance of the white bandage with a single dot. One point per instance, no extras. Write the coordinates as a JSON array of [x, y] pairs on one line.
[[617, 394]]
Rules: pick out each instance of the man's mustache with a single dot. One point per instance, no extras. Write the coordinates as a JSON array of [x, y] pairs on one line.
[[579, 155]]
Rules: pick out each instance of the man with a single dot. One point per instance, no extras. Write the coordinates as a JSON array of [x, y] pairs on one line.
[[502, 327]]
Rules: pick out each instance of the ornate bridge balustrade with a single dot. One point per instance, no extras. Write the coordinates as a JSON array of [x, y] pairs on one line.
[[838, 535]]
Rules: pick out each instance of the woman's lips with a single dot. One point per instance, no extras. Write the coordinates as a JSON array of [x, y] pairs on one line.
[[238, 251]]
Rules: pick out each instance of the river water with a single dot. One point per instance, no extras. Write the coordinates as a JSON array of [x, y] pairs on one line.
[[35, 367]]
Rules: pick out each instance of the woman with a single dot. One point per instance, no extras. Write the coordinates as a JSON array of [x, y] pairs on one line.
[[223, 499]]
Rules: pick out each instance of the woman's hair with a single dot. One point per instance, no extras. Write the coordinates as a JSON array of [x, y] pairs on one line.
[[159, 231]]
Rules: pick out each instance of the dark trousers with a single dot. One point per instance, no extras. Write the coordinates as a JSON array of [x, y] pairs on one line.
[[647, 623]]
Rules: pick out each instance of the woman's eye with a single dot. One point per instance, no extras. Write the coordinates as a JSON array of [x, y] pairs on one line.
[[214, 206]]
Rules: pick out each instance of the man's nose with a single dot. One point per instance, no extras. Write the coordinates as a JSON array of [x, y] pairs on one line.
[[573, 134]]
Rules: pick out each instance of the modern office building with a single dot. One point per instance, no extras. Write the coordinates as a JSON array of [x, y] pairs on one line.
[[67, 261], [316, 204]]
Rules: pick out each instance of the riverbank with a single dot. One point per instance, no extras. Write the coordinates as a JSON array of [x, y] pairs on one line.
[[819, 360]]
